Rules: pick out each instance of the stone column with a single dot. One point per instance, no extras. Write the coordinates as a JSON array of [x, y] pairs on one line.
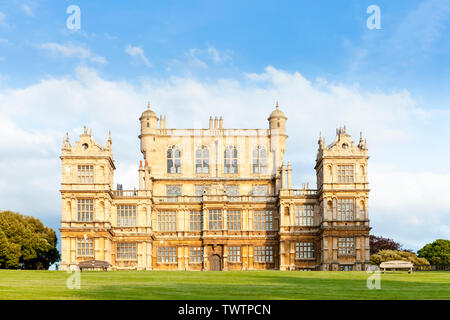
[[282, 255], [225, 257], [283, 176], [289, 176], [205, 220], [141, 176]]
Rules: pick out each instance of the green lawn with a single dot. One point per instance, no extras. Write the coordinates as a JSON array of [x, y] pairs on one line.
[[222, 285]]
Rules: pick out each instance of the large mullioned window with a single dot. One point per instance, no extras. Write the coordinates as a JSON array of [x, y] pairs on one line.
[[202, 160], [85, 174], [231, 160], [126, 216], [85, 247], [196, 255], [215, 219], [234, 254], [234, 220], [345, 174], [304, 215], [85, 210], [126, 251], [264, 254], [173, 192], [346, 246], [167, 254], [263, 220], [195, 220], [259, 164], [173, 160], [167, 221], [345, 209], [304, 250]]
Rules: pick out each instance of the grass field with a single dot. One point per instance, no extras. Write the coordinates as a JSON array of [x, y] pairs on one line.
[[222, 285]]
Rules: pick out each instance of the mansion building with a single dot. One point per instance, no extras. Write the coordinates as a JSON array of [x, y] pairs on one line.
[[215, 199]]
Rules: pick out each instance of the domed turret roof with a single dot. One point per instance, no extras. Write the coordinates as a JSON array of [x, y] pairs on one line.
[[148, 112], [277, 113]]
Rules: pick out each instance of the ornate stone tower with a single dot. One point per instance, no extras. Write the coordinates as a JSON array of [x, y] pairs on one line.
[[149, 131], [87, 181], [278, 136], [343, 191]]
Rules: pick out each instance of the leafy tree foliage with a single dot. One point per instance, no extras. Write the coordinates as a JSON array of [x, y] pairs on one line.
[[25, 243], [437, 252], [379, 243], [389, 255]]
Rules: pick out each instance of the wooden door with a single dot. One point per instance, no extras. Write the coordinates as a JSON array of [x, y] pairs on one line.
[[214, 264]]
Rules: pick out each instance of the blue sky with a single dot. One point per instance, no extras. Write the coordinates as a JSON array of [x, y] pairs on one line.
[[193, 59]]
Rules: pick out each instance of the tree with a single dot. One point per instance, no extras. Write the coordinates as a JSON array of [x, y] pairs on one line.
[[437, 252], [379, 243], [389, 255], [25, 243]]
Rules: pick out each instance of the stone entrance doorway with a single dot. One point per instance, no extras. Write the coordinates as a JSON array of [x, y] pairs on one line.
[[215, 264]]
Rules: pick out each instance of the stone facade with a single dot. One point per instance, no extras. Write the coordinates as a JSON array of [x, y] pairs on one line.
[[215, 199]]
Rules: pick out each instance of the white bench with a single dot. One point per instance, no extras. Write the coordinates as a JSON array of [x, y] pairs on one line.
[[396, 264]]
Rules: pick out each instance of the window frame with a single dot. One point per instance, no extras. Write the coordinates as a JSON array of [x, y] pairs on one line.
[[259, 161], [304, 217], [203, 159], [263, 254], [195, 255], [195, 219], [81, 213], [346, 173], [263, 220], [217, 222], [130, 216], [166, 221], [304, 250], [126, 251], [173, 157], [234, 220], [234, 254], [87, 244], [85, 173], [345, 209], [230, 164], [166, 255], [346, 246]]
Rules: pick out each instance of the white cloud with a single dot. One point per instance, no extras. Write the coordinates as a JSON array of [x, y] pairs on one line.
[[3, 20], [27, 9], [137, 52], [219, 57], [199, 58], [72, 51], [409, 197]]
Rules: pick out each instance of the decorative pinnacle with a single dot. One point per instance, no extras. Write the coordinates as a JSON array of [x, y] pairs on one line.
[[277, 105], [148, 105]]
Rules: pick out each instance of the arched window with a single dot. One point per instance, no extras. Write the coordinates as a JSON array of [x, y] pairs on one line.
[[230, 157], [259, 160], [202, 160], [173, 160]]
